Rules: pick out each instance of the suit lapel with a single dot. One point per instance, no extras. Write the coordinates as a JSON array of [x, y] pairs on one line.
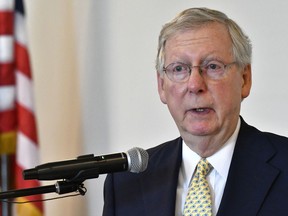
[[250, 174], [160, 182]]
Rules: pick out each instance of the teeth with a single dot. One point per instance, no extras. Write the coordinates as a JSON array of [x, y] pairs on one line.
[[199, 110]]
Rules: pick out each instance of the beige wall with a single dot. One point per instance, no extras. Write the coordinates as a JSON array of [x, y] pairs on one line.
[[52, 43]]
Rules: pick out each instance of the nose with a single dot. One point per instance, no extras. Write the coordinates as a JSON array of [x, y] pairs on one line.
[[196, 83]]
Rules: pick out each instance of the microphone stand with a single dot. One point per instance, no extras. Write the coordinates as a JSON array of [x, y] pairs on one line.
[[61, 187]]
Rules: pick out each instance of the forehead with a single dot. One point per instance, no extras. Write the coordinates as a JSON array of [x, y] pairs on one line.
[[209, 38]]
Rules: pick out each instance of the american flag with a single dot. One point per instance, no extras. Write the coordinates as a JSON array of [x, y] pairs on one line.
[[18, 135]]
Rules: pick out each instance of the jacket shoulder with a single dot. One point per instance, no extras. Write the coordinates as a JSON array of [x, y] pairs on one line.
[[162, 149]]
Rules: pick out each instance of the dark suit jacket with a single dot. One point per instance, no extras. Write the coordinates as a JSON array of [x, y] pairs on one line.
[[257, 183]]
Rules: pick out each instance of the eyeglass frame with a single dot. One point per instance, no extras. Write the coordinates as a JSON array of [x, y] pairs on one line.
[[201, 67]]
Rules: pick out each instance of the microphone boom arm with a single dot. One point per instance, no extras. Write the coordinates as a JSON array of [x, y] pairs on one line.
[[61, 187]]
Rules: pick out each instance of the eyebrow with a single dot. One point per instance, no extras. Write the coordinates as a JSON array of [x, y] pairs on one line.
[[204, 60]]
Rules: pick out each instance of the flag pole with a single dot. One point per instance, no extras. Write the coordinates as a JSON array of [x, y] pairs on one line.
[[6, 208]]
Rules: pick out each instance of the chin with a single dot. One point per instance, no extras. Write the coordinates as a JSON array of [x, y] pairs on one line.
[[200, 131]]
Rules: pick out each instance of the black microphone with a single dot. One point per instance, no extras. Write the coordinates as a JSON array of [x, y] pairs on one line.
[[134, 160]]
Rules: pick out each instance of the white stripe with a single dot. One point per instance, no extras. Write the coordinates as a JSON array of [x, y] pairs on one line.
[[6, 4], [27, 155], [7, 97], [20, 29], [24, 91], [6, 48]]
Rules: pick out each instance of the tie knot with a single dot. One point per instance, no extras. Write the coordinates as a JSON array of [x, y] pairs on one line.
[[203, 167]]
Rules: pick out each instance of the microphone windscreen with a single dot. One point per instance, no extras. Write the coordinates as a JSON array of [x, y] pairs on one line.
[[137, 159]]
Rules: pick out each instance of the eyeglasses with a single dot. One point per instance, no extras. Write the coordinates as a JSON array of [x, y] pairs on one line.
[[180, 72]]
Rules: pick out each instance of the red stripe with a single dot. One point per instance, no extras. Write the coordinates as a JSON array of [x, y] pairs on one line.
[[20, 183], [7, 75], [26, 123], [8, 121], [6, 23], [22, 59]]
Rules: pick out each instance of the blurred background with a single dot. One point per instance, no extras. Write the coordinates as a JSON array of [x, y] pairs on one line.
[[95, 81]]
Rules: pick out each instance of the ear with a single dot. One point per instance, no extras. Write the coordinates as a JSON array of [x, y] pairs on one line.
[[161, 88], [247, 81]]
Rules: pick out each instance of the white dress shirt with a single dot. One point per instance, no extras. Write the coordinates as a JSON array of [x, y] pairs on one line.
[[220, 161]]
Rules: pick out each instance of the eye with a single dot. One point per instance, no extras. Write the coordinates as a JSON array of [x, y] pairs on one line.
[[179, 67], [213, 69], [214, 66], [177, 71]]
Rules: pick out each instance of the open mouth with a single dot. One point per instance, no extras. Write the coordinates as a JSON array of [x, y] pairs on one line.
[[201, 110]]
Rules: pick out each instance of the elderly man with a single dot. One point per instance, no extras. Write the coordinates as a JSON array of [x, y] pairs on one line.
[[219, 165]]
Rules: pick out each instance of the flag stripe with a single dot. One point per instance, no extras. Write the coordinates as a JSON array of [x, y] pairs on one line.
[[8, 121], [7, 97], [20, 30], [6, 23], [6, 49], [26, 123], [24, 86], [6, 5], [22, 60], [7, 74], [27, 147]]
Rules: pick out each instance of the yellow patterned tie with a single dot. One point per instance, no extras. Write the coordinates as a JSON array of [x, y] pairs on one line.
[[198, 200]]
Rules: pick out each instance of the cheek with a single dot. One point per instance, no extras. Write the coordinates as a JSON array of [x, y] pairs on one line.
[[229, 96], [174, 96], [173, 91]]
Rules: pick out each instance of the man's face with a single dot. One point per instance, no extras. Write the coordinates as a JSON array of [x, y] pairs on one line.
[[202, 107]]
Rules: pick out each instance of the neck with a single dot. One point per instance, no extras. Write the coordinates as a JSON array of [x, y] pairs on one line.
[[204, 148]]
